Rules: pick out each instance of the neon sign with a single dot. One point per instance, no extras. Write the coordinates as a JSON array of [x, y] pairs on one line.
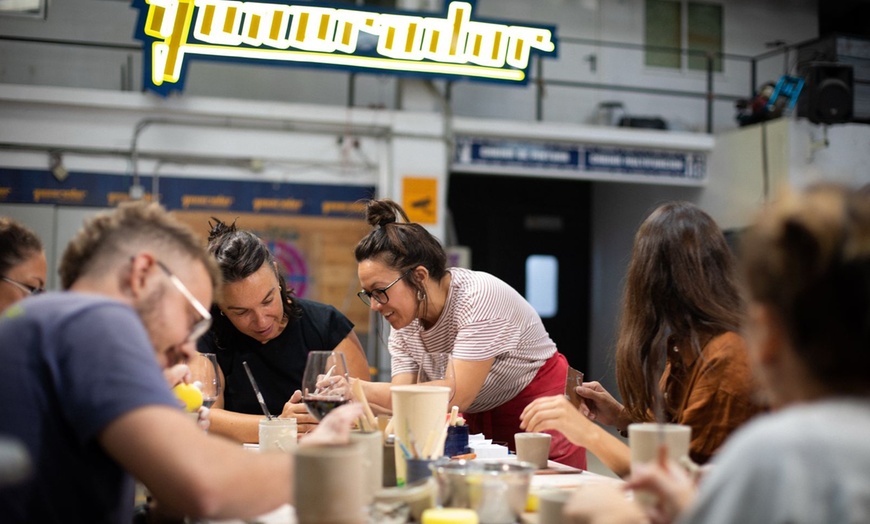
[[173, 31]]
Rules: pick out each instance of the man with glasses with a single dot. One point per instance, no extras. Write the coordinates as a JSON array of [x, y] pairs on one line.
[[82, 384]]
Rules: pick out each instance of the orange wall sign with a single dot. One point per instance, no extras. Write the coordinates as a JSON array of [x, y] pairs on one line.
[[420, 199]]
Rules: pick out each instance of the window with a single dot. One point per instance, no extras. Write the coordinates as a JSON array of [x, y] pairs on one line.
[[542, 284], [665, 28]]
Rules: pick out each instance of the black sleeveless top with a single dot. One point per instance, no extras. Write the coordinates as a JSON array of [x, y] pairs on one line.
[[278, 364]]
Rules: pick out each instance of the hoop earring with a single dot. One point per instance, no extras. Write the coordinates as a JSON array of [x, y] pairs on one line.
[[421, 296]]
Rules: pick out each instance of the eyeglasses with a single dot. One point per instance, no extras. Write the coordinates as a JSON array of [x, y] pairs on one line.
[[380, 294], [30, 290], [202, 325]]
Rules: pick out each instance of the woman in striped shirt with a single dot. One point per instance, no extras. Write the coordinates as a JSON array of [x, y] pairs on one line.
[[503, 356]]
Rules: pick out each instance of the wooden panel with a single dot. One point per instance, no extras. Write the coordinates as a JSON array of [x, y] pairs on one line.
[[316, 254]]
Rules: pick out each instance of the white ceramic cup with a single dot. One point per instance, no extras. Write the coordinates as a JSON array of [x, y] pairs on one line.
[[278, 434], [550, 505], [372, 445], [419, 417], [533, 448], [328, 485], [644, 439]]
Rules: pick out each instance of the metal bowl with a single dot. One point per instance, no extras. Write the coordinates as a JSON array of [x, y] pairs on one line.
[[497, 491]]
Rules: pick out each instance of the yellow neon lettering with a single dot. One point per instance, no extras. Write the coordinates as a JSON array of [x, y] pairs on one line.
[[309, 34], [229, 20], [301, 26], [409, 42], [324, 27], [457, 25], [207, 19]]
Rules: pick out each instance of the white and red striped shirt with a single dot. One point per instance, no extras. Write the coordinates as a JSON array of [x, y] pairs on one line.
[[483, 317]]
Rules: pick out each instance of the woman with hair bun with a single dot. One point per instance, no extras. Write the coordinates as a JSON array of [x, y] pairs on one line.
[[23, 267], [503, 356], [258, 320]]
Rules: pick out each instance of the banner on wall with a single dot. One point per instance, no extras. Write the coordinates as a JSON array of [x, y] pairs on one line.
[[27, 186], [315, 34], [584, 161]]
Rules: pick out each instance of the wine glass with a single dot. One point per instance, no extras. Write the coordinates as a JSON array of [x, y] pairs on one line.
[[437, 369], [325, 384], [204, 374]]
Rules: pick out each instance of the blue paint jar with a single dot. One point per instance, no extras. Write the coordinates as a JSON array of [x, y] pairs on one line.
[[457, 441]]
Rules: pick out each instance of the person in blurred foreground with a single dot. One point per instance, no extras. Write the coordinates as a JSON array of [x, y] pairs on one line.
[[23, 268], [258, 320], [680, 357], [82, 386], [806, 262]]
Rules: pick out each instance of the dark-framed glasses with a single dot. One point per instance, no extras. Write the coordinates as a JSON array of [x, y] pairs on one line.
[[30, 290], [202, 325], [380, 294]]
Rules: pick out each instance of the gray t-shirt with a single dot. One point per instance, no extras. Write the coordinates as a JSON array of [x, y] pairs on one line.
[[72, 364], [805, 464]]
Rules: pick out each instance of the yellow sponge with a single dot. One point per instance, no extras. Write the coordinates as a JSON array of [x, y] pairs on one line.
[[190, 395], [449, 516]]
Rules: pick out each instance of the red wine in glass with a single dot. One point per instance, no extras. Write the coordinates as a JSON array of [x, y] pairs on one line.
[[319, 406], [325, 383]]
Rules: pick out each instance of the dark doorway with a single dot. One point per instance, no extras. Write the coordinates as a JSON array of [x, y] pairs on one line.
[[506, 219]]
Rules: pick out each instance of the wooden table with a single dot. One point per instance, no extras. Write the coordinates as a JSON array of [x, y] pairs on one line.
[[556, 476]]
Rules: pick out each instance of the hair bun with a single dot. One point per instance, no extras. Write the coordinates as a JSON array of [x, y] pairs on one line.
[[380, 213], [219, 229]]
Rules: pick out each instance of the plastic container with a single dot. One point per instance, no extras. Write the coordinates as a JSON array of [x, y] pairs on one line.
[[497, 491]]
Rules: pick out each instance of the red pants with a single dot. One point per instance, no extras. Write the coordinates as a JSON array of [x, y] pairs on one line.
[[500, 423]]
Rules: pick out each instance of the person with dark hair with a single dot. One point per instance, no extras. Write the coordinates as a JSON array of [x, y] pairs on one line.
[[259, 321], [23, 268], [503, 356], [680, 356], [806, 263], [82, 388]]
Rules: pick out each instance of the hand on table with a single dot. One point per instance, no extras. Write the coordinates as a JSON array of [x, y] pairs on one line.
[[601, 504], [601, 406], [335, 426], [673, 487], [294, 408], [556, 413]]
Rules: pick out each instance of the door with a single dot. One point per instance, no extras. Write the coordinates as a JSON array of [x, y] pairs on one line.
[[507, 219]]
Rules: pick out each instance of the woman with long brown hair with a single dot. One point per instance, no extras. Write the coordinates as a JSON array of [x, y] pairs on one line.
[[680, 356], [806, 263]]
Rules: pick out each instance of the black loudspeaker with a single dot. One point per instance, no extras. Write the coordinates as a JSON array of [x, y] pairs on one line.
[[828, 96]]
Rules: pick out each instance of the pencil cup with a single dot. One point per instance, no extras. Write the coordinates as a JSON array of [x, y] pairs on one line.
[[419, 417], [418, 469]]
